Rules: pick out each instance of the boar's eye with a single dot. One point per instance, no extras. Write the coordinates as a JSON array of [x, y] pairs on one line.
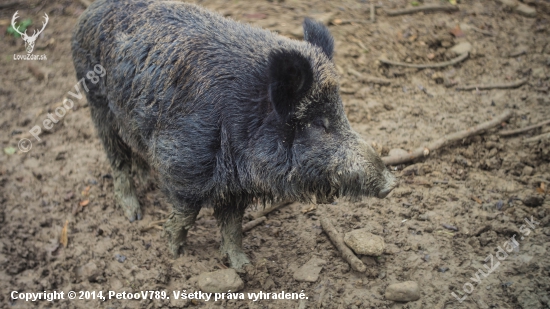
[[321, 123]]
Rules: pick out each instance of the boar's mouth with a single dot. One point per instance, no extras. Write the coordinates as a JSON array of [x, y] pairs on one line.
[[354, 190]]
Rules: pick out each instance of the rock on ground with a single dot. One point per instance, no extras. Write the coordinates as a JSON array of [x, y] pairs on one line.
[[363, 242], [525, 10], [461, 48], [403, 291], [309, 272], [220, 281]]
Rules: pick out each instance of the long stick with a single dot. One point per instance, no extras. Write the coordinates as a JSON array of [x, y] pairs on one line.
[[424, 8], [251, 224], [515, 84], [537, 138], [425, 150], [338, 240], [426, 65], [521, 130]]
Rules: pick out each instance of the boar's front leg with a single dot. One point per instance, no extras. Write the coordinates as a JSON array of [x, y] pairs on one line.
[[179, 223], [230, 221], [119, 154]]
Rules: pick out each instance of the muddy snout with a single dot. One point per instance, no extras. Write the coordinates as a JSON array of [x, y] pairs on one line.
[[389, 184]]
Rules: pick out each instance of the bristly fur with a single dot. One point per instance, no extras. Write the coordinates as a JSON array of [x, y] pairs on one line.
[[318, 35], [226, 113]]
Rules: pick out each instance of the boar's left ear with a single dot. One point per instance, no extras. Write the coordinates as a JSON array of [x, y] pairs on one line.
[[290, 78], [317, 34]]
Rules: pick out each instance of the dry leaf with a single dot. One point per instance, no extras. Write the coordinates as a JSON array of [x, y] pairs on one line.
[[84, 203], [457, 32], [86, 191], [477, 200], [542, 188], [64, 240]]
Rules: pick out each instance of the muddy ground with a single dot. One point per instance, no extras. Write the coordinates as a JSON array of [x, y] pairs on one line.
[[481, 188]]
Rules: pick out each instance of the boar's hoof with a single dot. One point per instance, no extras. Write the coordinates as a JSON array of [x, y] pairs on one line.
[[237, 258], [176, 227], [130, 205], [125, 194]]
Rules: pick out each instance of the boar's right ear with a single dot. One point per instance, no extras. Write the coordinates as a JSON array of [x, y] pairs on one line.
[[317, 34], [290, 78]]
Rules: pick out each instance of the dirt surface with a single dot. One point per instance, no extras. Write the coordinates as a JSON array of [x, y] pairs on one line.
[[450, 212]]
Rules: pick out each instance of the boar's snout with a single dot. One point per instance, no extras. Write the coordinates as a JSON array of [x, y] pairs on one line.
[[384, 180], [389, 183]]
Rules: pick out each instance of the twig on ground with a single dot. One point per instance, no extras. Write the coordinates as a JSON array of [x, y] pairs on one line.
[[537, 138], [424, 8], [426, 65], [376, 80], [368, 78], [372, 13], [85, 3], [426, 150], [514, 84], [266, 211], [338, 240], [521, 130], [250, 225], [484, 32]]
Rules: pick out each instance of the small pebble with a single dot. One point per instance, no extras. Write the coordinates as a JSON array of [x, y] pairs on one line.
[[120, 258], [461, 48], [450, 227], [309, 272], [403, 291], [499, 204], [442, 269], [220, 281], [363, 242]]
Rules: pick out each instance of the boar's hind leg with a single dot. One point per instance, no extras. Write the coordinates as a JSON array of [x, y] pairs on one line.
[[177, 226], [232, 236], [120, 157]]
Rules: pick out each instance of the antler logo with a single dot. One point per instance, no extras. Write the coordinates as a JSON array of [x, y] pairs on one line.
[[29, 40]]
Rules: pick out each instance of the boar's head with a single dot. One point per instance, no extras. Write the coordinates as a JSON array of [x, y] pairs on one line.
[[306, 146]]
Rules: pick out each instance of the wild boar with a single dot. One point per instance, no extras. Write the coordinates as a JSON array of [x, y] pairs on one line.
[[226, 114]]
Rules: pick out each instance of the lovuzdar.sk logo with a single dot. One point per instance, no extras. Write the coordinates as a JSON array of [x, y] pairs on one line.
[[29, 39]]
